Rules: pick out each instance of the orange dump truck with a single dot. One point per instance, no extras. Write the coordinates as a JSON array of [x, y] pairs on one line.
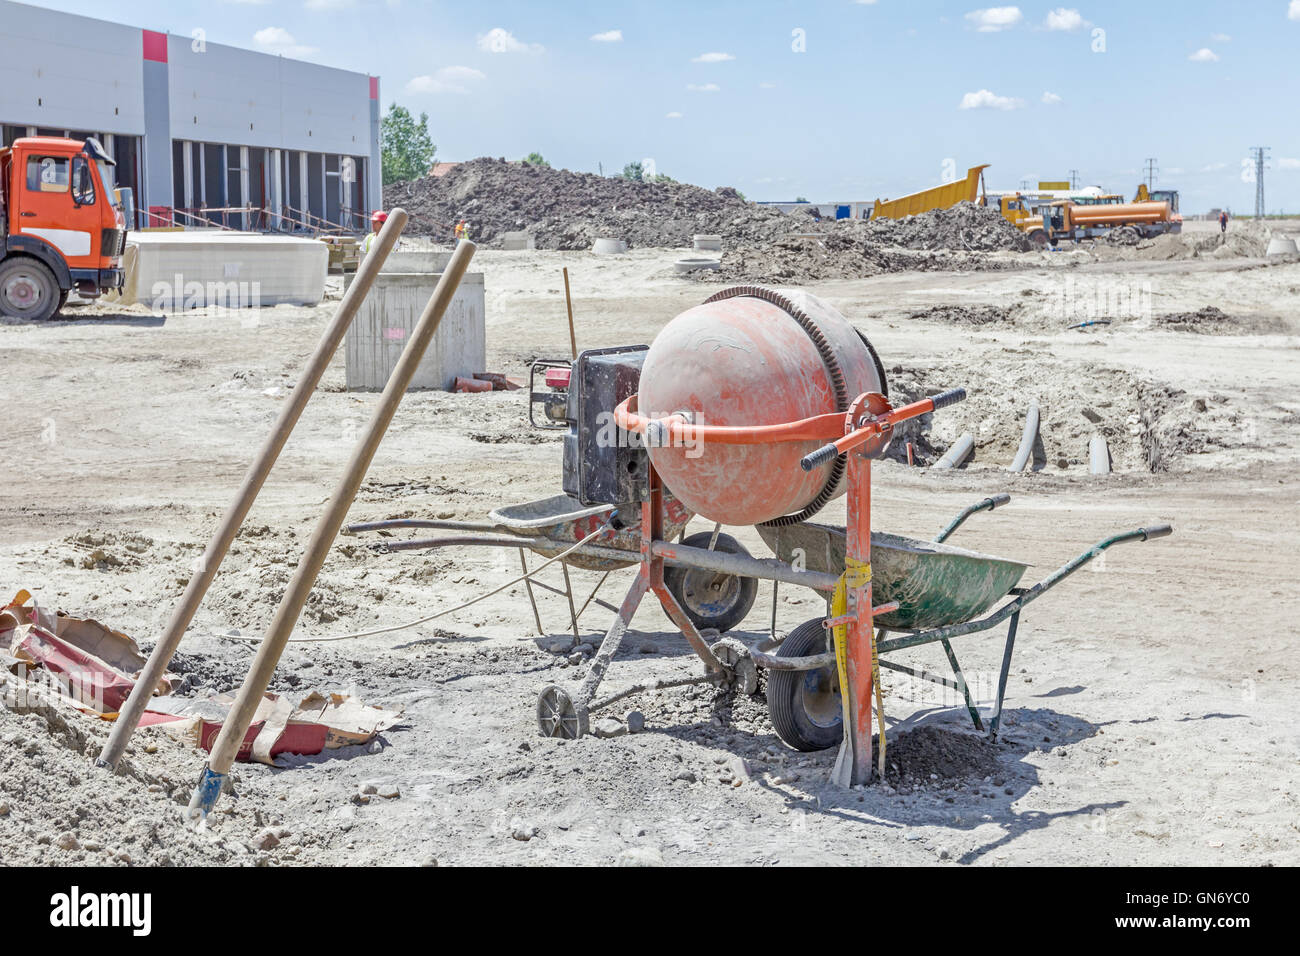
[[1076, 221], [61, 227]]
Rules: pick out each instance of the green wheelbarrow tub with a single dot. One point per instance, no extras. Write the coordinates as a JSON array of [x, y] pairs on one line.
[[934, 584]]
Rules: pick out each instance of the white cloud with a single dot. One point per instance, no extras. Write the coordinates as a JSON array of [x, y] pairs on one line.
[[1220, 38], [712, 58], [1064, 19], [1286, 162], [987, 100], [449, 79], [703, 87], [992, 19], [1293, 11], [1051, 99], [249, 3], [609, 36], [767, 85], [498, 40], [673, 115], [1214, 167], [280, 41], [1204, 55], [327, 4], [865, 3]]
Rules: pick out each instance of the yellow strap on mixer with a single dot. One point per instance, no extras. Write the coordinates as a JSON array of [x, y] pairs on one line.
[[856, 574]]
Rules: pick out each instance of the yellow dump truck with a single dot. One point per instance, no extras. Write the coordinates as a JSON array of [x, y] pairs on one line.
[[937, 197]]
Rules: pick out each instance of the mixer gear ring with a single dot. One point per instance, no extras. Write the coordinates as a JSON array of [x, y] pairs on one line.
[[818, 338]]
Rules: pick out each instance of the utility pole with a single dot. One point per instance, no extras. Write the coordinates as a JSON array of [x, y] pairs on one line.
[[1261, 154], [1074, 179], [1152, 172], [1024, 185]]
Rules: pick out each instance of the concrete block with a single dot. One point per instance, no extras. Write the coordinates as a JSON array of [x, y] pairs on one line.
[[609, 247], [187, 270], [518, 240], [421, 262], [707, 243], [387, 318]]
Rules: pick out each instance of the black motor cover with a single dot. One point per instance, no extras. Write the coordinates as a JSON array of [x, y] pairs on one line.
[[604, 465]]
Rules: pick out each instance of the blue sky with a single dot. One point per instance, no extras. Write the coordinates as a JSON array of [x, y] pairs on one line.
[[829, 99]]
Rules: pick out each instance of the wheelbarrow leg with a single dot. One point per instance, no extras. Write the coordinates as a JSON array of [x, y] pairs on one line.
[[961, 684], [995, 719], [573, 614], [528, 585]]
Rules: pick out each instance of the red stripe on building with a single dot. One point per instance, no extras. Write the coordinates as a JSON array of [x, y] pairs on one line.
[[374, 87], [155, 46]]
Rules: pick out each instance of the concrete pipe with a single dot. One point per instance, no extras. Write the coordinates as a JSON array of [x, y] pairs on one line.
[[696, 265], [1098, 456], [958, 453], [1281, 246], [707, 243], [609, 247], [1026, 439]]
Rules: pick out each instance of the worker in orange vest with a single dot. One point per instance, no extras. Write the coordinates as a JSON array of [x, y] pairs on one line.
[[1223, 221]]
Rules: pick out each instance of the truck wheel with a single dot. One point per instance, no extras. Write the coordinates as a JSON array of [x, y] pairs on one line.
[[1038, 238], [28, 290]]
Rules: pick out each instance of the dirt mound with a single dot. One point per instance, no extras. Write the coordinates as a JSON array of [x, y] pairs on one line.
[[965, 226], [567, 210], [966, 314]]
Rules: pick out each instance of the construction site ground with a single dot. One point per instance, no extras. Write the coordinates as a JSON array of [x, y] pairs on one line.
[[1150, 711]]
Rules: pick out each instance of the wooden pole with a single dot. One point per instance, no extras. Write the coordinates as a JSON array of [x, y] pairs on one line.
[[233, 730], [134, 708], [568, 301]]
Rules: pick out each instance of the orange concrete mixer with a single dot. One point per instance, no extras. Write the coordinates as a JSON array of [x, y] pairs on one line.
[[751, 356]]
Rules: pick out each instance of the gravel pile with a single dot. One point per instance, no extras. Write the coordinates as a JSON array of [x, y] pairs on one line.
[[568, 210]]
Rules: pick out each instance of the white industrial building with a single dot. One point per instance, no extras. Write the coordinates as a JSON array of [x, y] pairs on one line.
[[201, 132]]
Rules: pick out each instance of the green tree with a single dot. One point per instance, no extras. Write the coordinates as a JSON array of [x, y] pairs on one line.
[[633, 171], [536, 159], [405, 145], [800, 199]]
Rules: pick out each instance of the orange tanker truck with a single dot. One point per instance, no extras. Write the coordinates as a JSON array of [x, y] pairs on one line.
[[62, 227], [1074, 221]]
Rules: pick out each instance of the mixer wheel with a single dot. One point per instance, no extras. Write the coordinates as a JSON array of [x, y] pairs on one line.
[[805, 705], [710, 599], [559, 715]]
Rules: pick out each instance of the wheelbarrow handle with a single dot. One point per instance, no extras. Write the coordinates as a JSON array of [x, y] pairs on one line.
[[1156, 531], [951, 397]]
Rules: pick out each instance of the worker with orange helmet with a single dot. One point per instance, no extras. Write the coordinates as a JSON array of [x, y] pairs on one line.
[[377, 221]]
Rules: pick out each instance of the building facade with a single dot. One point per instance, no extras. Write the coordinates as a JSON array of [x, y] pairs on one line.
[[202, 133]]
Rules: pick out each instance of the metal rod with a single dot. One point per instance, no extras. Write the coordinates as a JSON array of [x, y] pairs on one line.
[[235, 727], [134, 708], [568, 593], [537, 617]]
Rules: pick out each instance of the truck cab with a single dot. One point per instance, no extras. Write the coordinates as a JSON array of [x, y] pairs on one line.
[[62, 226]]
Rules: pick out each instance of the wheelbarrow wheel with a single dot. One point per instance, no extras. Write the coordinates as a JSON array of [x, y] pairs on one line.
[[559, 715], [805, 705], [710, 599]]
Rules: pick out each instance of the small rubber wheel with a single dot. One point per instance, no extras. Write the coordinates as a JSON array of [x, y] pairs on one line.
[[805, 705], [710, 599], [28, 290], [558, 715]]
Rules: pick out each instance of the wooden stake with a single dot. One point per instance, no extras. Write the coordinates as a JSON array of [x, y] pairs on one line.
[[134, 708], [233, 730], [568, 301]]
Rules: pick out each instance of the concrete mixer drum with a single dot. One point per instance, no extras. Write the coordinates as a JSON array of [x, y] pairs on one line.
[[753, 356]]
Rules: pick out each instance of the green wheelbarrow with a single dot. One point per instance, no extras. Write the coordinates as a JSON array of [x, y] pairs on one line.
[[941, 592]]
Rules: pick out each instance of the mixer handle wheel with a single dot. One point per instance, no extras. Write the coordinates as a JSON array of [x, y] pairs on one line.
[[820, 457], [950, 397]]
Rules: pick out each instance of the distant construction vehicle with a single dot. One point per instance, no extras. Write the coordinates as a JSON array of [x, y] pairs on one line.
[[1077, 221], [63, 227], [937, 197], [1144, 194]]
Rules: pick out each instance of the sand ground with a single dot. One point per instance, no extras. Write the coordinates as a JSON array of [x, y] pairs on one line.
[[1150, 715]]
